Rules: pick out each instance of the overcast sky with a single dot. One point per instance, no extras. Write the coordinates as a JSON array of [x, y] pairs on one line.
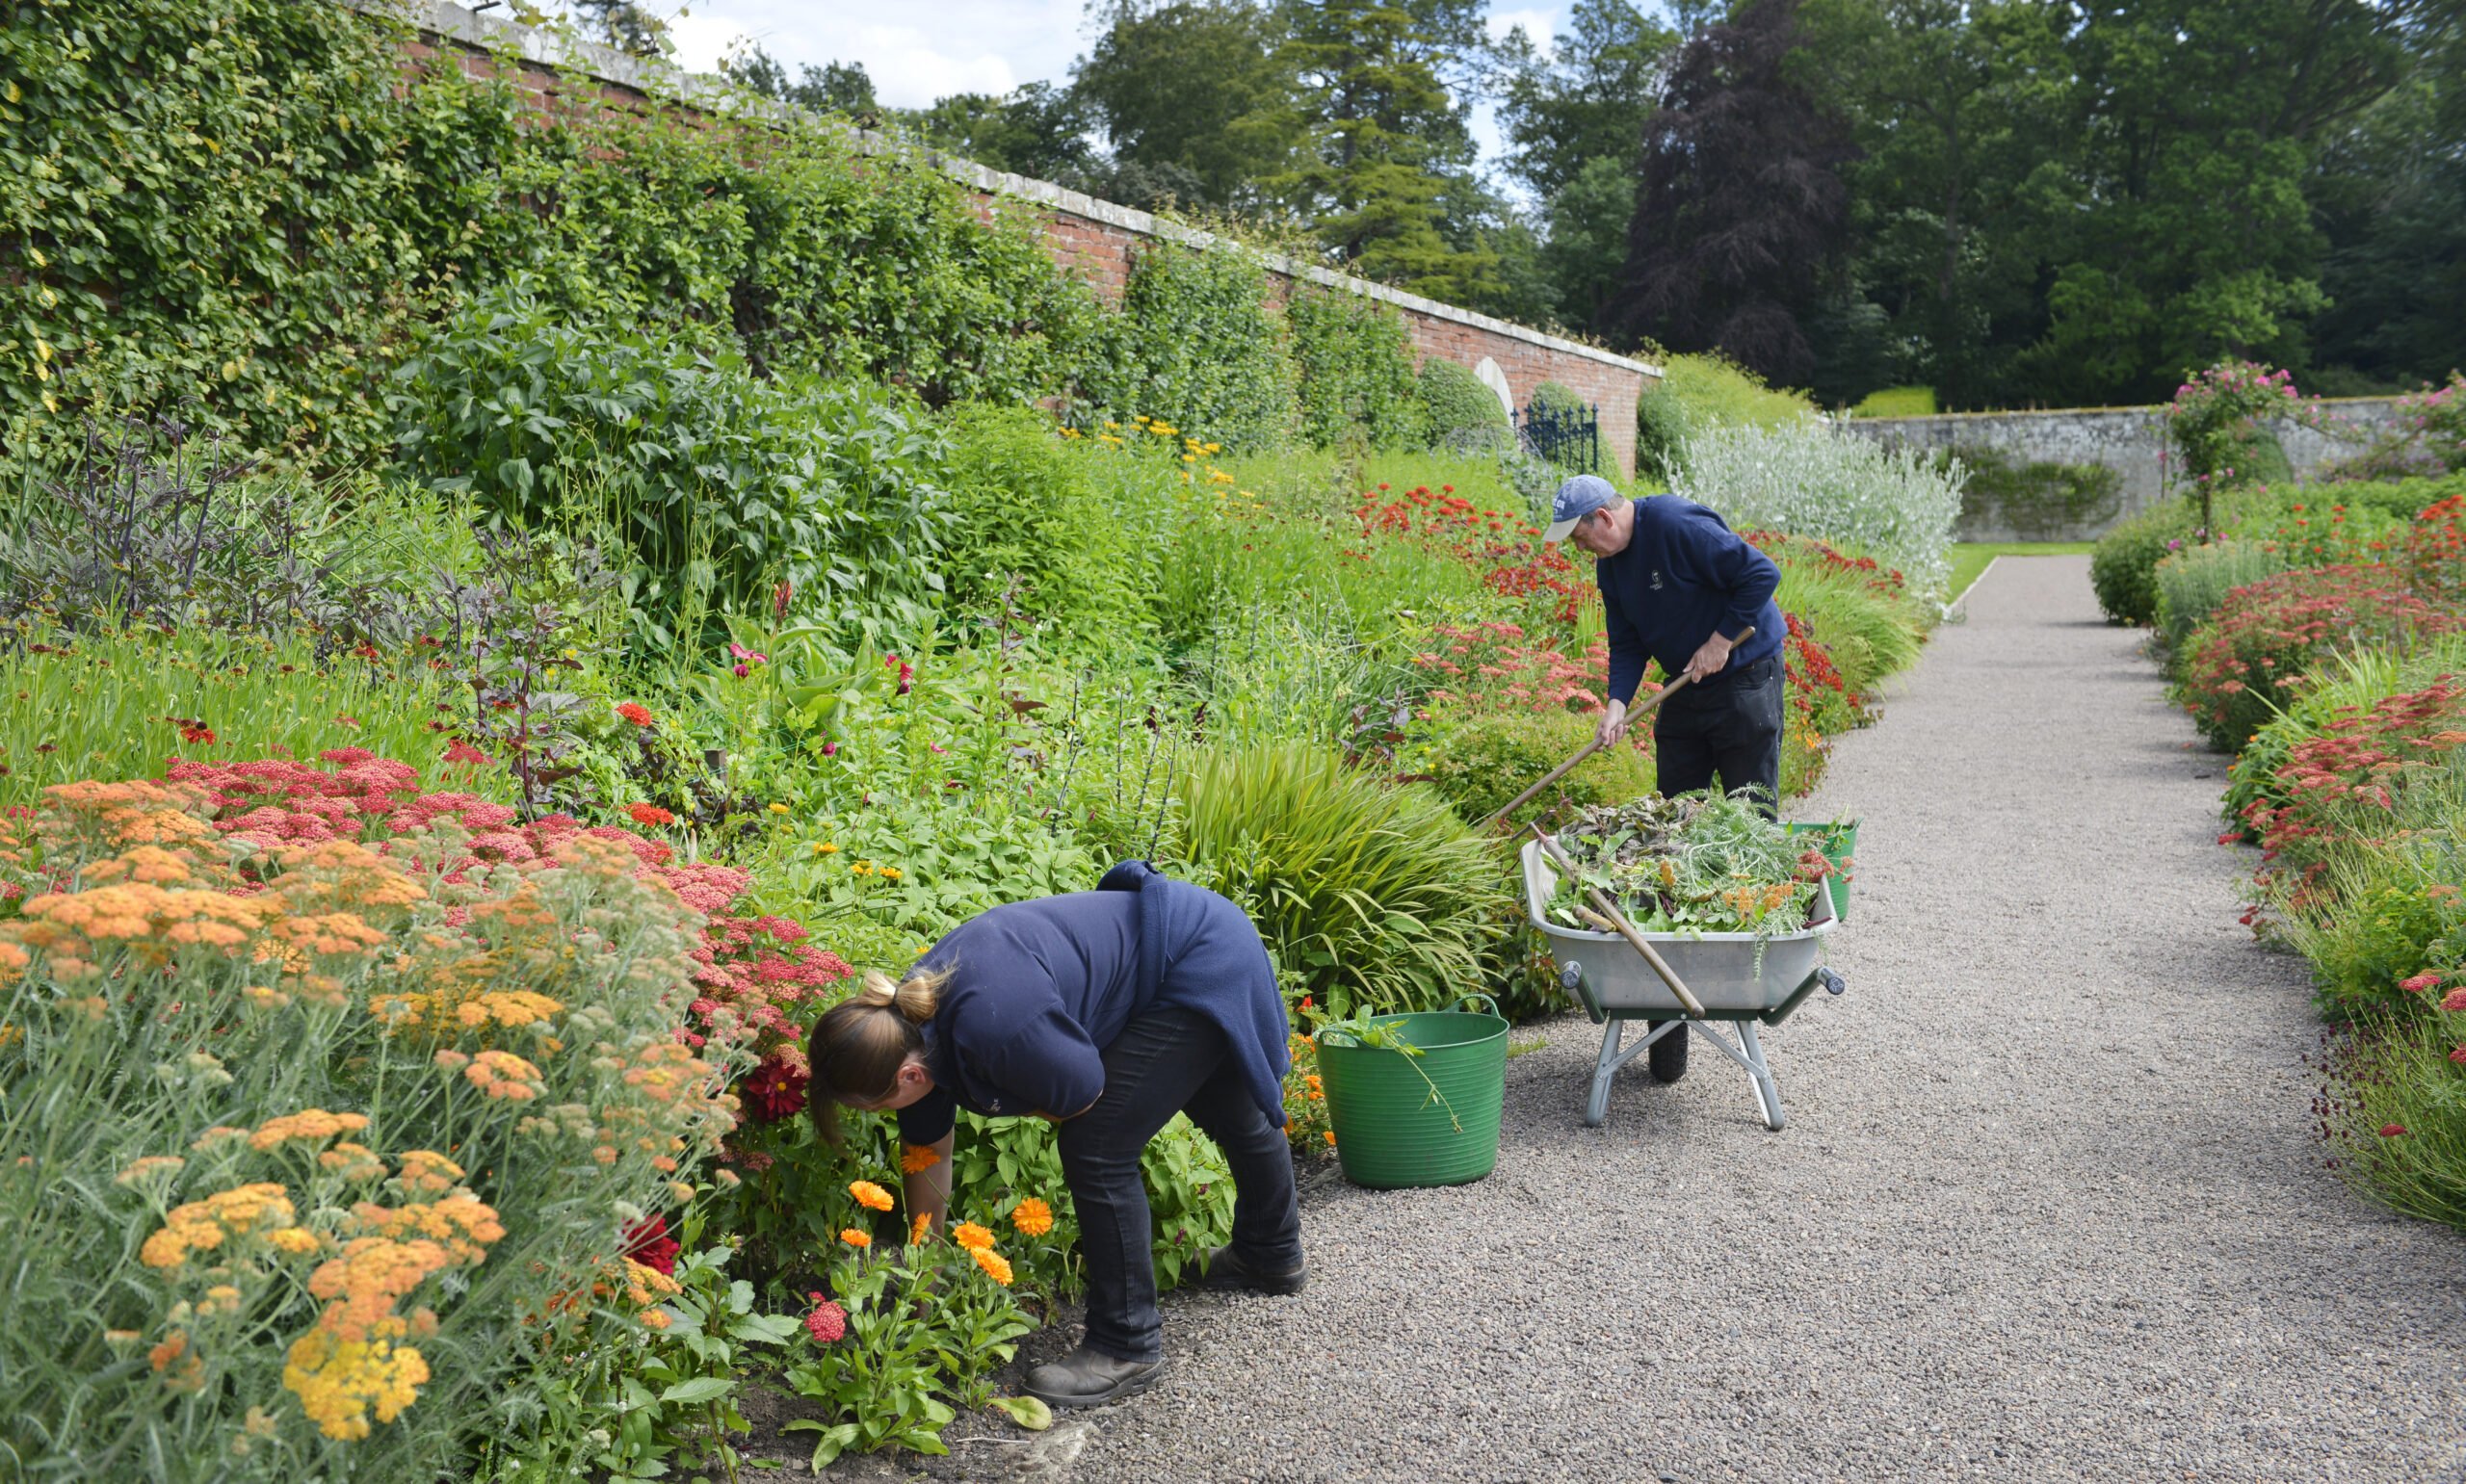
[[919, 50]]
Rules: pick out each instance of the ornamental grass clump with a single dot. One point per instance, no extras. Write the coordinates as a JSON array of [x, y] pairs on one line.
[[1373, 897], [327, 1135]]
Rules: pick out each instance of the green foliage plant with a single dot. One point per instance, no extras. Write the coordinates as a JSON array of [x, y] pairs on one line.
[[1696, 393], [2395, 1109], [2193, 581], [1197, 346], [1357, 368], [1075, 529], [125, 703], [1374, 897], [1464, 415], [2123, 569], [719, 483]]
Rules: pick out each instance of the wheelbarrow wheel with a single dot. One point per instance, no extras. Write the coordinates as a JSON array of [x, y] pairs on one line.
[[1668, 1057]]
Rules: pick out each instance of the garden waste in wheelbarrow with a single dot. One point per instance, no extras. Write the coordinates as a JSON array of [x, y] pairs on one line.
[[1734, 976]]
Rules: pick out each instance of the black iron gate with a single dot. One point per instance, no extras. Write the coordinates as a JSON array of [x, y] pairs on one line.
[[1569, 437]]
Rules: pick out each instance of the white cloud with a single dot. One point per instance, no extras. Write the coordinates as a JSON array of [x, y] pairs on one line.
[[1539, 24], [910, 71], [701, 41]]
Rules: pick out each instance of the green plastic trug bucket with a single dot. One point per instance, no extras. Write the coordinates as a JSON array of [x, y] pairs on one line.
[[1390, 1131], [1838, 842]]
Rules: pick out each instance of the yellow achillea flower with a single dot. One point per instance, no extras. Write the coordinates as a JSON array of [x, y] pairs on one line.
[[916, 1159], [996, 1266], [427, 1170], [340, 1381], [1032, 1216], [974, 1238], [313, 1123], [869, 1195], [297, 1241], [854, 1237]]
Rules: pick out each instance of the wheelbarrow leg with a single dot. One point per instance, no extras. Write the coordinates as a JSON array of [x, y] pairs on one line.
[[1596, 1105], [1766, 1088]]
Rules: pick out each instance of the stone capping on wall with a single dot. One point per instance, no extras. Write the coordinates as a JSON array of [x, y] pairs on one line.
[[655, 78]]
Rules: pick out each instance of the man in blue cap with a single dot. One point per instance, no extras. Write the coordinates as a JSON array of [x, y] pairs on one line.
[[1679, 585]]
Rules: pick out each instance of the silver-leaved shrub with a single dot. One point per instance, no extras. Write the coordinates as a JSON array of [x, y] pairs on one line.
[[1804, 478]]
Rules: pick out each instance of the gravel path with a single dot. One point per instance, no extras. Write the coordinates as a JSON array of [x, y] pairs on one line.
[[2088, 1236]]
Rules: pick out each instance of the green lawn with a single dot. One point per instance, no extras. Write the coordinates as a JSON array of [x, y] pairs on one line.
[[1970, 557]]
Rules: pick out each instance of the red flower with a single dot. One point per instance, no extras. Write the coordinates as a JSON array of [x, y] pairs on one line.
[[647, 1242], [634, 712], [196, 732], [649, 815], [775, 1092], [828, 1322], [2419, 982], [2390, 1131], [463, 752]]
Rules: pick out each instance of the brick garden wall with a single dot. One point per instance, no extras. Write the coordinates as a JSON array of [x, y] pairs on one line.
[[1097, 240]]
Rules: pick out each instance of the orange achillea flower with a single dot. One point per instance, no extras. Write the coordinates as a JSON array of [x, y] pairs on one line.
[[313, 1123], [974, 1238], [1032, 1216], [996, 1266], [857, 1238], [201, 1226], [504, 1075], [869, 1195], [461, 1223], [424, 1170], [364, 1283], [353, 1162], [916, 1159], [147, 1167], [295, 1240]]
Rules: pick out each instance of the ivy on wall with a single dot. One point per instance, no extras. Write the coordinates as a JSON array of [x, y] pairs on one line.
[[248, 209], [1357, 363]]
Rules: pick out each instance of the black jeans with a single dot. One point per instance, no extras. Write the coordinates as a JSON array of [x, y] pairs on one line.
[[1731, 727], [1164, 1063]]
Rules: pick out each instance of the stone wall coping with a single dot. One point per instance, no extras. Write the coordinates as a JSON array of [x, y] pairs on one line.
[[2153, 409], [569, 53]]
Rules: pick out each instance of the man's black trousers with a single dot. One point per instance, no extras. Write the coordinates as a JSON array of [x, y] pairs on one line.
[[1164, 1063], [1730, 727]]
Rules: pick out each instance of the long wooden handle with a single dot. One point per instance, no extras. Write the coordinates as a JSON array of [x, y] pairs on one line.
[[1602, 905], [1595, 746]]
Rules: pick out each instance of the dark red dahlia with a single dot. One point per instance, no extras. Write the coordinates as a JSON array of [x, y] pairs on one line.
[[775, 1093], [647, 1242]]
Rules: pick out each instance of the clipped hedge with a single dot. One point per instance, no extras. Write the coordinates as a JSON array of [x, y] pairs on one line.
[[1464, 415]]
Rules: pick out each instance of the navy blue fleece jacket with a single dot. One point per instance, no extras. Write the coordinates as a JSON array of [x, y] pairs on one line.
[[1038, 989], [1682, 575]]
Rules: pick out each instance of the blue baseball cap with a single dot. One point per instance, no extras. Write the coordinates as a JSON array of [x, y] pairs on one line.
[[1578, 498]]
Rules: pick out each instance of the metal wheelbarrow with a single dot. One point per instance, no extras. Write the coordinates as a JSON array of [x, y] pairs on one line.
[[1732, 981]]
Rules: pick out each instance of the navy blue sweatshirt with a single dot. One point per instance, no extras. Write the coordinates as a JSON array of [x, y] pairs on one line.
[[1037, 989], [1682, 575]]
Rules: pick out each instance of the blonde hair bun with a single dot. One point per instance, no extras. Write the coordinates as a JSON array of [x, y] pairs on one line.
[[915, 997]]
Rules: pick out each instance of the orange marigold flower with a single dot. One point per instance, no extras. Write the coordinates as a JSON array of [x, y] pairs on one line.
[[916, 1159], [1032, 1216], [920, 1228], [856, 1238], [869, 1195], [974, 1238], [996, 1266]]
